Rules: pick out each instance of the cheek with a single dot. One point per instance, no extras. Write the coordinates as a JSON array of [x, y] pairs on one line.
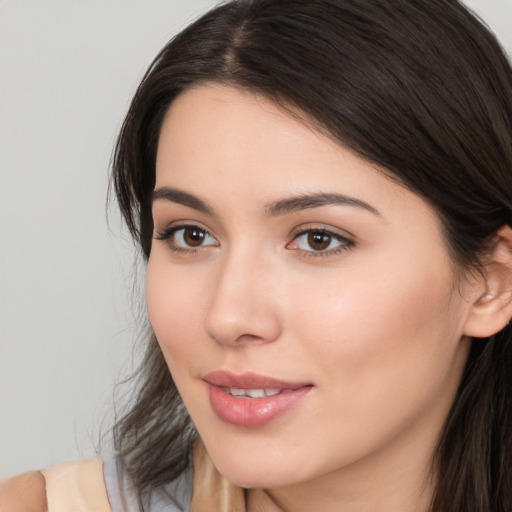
[[360, 307], [174, 302], [377, 338]]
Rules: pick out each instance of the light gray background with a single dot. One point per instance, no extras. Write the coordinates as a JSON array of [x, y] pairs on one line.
[[67, 72]]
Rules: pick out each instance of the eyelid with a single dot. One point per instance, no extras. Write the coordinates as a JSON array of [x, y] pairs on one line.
[[306, 228], [170, 227]]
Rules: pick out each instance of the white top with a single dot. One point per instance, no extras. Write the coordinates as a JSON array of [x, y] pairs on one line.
[[173, 497]]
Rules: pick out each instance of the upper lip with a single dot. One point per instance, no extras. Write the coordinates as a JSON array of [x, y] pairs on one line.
[[249, 380]]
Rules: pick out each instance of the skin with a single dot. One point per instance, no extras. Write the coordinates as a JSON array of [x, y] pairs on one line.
[[376, 323], [24, 493]]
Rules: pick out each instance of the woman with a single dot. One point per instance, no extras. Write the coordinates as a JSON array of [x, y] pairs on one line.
[[323, 192]]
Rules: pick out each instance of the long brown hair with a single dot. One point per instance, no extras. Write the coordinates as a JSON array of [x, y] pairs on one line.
[[419, 87]]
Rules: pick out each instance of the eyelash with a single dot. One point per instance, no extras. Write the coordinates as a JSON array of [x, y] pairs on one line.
[[346, 243]]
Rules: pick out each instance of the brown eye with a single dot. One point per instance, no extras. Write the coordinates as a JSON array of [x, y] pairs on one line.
[[319, 240], [183, 238], [194, 237]]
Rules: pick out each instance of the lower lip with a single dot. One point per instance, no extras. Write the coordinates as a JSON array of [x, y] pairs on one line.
[[252, 412]]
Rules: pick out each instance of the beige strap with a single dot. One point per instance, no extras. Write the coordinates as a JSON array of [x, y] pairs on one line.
[[76, 487]]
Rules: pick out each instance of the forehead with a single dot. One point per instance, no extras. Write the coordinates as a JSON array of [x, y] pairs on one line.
[[215, 130], [222, 119]]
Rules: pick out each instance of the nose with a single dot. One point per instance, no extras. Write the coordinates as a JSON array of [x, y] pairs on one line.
[[244, 303]]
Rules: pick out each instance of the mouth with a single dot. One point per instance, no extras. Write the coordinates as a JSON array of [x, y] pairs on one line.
[[250, 400], [251, 382]]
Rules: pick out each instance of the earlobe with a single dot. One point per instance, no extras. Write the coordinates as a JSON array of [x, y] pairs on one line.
[[492, 310]]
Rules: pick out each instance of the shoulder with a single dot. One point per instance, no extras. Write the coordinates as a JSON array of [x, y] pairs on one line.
[[24, 493]]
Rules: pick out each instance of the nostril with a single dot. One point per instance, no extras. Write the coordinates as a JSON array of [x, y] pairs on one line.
[[240, 339]]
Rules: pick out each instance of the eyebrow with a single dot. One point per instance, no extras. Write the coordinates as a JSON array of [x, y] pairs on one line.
[[178, 196], [274, 209], [306, 201]]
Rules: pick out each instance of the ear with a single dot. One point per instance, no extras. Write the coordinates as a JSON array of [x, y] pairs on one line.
[[492, 309]]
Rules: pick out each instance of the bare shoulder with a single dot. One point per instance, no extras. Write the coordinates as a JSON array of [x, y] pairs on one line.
[[24, 493]]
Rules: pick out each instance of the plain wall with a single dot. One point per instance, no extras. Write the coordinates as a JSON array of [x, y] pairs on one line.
[[67, 72]]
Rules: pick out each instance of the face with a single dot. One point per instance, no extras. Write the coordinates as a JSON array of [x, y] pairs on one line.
[[305, 304]]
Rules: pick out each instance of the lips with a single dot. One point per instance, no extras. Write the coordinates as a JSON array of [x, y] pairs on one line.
[[250, 400]]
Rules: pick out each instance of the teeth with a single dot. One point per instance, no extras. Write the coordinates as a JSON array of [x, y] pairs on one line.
[[255, 393], [252, 393]]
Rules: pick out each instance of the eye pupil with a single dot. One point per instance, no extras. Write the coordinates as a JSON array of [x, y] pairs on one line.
[[318, 240], [194, 236]]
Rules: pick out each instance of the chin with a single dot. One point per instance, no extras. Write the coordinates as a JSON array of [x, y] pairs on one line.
[[254, 473]]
